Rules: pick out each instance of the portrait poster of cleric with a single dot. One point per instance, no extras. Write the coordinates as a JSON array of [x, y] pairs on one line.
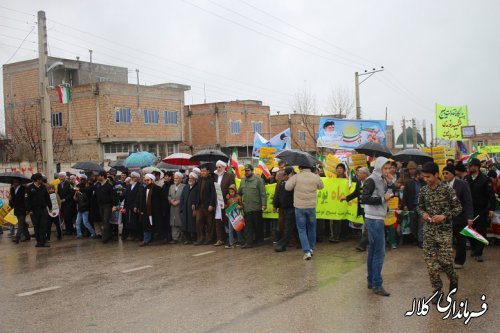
[[279, 142], [349, 133]]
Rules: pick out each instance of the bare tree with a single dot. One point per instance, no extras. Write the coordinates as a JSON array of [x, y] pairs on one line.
[[25, 143], [304, 106], [340, 103]]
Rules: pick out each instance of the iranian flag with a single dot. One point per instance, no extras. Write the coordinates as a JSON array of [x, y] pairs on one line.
[[468, 231], [264, 169], [63, 93], [234, 167]]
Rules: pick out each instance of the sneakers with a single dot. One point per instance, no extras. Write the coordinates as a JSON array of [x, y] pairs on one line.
[[360, 248], [307, 256], [312, 252], [219, 243], [458, 266], [479, 259], [228, 247], [381, 291], [394, 246]]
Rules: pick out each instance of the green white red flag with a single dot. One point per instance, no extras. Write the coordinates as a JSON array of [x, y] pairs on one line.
[[63, 94], [468, 231]]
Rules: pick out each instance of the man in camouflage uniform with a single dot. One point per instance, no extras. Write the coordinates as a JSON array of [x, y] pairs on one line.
[[437, 205]]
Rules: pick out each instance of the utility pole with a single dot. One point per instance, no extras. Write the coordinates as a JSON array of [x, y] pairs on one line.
[[414, 132], [424, 128], [404, 133], [357, 84], [43, 81]]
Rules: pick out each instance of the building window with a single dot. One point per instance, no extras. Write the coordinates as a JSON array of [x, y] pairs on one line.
[[480, 143], [235, 127], [122, 115], [172, 148], [115, 148], [302, 136], [56, 119], [151, 117], [257, 126], [170, 117]]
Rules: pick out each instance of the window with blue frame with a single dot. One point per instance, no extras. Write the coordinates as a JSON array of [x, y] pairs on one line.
[[123, 115], [257, 126], [235, 127], [170, 117], [151, 117]]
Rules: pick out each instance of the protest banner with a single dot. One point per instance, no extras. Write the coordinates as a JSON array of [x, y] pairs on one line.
[[449, 121], [358, 160], [329, 206], [267, 156], [55, 204], [235, 216], [280, 141], [349, 133], [331, 163], [220, 197]]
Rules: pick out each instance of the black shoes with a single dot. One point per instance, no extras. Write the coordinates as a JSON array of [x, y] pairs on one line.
[[246, 246], [381, 291], [42, 245], [280, 249]]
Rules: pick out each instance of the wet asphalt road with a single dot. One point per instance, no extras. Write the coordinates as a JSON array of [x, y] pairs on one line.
[[119, 287]]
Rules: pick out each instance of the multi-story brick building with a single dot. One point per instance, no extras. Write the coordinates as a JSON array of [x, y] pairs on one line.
[[106, 118], [225, 125]]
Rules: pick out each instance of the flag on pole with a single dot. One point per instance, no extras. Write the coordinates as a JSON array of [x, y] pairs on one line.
[[468, 231], [264, 169], [234, 166], [63, 94]]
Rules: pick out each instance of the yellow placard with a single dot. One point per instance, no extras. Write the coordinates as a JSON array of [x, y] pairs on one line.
[[4, 211], [328, 206], [10, 218], [390, 217], [267, 156], [358, 160], [331, 163]]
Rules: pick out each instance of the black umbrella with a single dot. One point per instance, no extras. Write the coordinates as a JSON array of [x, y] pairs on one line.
[[87, 166], [118, 165], [209, 155], [373, 149], [9, 177], [414, 155], [297, 157]]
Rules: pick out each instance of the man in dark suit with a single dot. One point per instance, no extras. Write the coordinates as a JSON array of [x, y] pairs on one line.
[[131, 223], [68, 206], [483, 203], [409, 202], [224, 180], [17, 202], [205, 201], [466, 216], [362, 174], [149, 207]]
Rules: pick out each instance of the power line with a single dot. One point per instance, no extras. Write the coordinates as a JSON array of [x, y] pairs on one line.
[[307, 33], [15, 52]]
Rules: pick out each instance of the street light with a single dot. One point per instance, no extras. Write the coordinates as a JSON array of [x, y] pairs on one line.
[[357, 84]]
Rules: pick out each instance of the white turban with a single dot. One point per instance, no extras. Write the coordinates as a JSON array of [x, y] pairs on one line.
[[178, 174], [135, 174], [82, 176], [194, 175], [220, 163], [150, 176], [127, 179], [197, 170]]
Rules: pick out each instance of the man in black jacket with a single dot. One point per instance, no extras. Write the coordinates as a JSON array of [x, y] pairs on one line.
[[466, 216], [205, 199], [105, 197], [483, 203], [83, 192], [132, 229], [283, 200], [362, 174], [409, 202], [16, 201], [68, 207], [37, 203]]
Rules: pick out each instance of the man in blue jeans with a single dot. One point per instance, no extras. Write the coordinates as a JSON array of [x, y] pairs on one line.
[[305, 185], [375, 197]]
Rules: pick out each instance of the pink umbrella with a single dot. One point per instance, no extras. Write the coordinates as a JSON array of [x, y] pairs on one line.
[[180, 159]]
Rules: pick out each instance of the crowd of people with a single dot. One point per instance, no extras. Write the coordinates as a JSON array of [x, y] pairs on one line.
[[190, 208]]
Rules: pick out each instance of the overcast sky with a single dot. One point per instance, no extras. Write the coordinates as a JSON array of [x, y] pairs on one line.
[[432, 51]]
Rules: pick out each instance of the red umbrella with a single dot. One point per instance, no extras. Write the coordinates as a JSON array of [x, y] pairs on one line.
[[180, 159]]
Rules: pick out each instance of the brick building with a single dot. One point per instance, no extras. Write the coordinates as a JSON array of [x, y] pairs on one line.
[[303, 129], [225, 125], [106, 118]]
